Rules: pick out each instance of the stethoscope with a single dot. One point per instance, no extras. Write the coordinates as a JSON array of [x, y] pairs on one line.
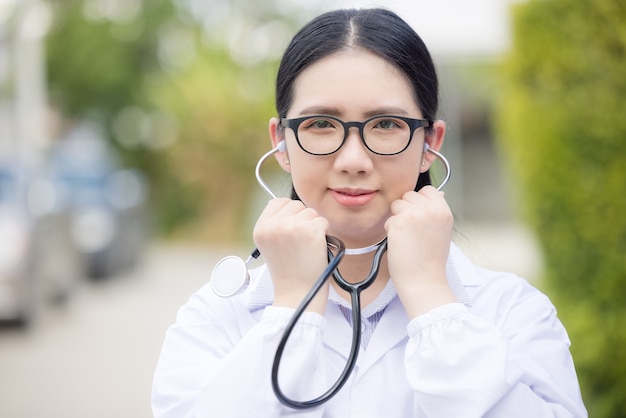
[[230, 277]]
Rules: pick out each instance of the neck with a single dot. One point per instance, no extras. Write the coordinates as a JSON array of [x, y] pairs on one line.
[[363, 250]]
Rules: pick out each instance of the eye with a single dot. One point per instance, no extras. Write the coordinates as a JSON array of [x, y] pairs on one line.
[[387, 124], [321, 123], [318, 123]]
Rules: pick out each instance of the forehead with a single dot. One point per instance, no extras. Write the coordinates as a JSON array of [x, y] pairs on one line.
[[352, 82]]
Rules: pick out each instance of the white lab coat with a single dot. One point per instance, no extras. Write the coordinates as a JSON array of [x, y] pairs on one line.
[[499, 352]]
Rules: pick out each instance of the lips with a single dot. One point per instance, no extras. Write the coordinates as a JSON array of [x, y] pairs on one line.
[[352, 197]]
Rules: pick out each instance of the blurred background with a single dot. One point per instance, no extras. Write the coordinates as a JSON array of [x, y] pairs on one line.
[[129, 133]]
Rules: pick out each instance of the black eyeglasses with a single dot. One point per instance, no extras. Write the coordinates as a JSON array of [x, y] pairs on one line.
[[382, 135]]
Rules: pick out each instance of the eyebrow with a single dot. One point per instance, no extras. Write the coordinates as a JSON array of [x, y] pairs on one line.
[[333, 111]]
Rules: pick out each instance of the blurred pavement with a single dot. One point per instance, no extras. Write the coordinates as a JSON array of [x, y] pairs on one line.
[[95, 357]]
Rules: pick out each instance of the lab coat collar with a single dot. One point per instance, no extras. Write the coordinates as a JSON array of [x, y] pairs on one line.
[[460, 272], [463, 268]]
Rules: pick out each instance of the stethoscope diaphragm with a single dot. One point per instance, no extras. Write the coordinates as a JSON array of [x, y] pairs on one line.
[[229, 277]]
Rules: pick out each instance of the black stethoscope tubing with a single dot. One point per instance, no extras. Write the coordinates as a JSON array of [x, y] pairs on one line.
[[355, 290], [222, 275]]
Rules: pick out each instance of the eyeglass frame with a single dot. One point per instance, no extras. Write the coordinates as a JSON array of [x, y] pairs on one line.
[[414, 124]]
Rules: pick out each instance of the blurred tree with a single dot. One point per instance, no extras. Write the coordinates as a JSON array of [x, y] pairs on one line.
[[183, 90], [222, 111], [100, 56], [563, 131]]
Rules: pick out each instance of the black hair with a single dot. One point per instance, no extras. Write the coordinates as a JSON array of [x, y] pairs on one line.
[[378, 30]]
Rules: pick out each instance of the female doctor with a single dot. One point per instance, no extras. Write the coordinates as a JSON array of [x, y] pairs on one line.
[[441, 336]]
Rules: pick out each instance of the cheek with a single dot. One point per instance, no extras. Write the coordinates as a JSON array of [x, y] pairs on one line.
[[407, 184], [306, 177], [402, 177]]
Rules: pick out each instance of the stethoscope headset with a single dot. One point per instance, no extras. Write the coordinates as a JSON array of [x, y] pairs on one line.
[[230, 277]]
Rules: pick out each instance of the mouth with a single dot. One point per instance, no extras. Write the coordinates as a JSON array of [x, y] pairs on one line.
[[353, 197]]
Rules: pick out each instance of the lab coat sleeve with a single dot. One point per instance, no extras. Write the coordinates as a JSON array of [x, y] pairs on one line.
[[208, 367], [459, 364]]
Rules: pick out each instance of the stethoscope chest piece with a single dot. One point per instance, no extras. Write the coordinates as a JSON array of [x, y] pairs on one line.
[[229, 277]]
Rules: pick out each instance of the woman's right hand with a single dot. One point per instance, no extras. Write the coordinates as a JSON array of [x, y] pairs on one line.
[[292, 240]]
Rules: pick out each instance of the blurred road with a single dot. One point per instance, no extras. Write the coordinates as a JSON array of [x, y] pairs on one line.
[[95, 357]]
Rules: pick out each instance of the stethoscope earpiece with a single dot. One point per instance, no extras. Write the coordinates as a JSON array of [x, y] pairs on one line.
[[444, 161]]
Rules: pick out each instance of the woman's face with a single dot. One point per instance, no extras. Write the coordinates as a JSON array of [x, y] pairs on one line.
[[353, 188]]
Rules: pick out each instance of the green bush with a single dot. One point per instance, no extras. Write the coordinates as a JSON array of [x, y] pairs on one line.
[[563, 134]]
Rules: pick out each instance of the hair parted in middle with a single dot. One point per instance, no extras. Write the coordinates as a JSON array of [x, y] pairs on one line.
[[377, 30]]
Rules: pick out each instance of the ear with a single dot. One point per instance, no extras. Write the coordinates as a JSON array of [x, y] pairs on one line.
[[277, 134], [434, 138]]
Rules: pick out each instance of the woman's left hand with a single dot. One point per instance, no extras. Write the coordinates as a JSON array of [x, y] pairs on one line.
[[419, 233]]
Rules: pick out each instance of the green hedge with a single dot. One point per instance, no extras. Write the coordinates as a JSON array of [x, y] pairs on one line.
[[562, 129]]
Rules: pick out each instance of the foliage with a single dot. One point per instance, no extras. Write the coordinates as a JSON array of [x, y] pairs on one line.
[[223, 112], [173, 102], [564, 137], [99, 64]]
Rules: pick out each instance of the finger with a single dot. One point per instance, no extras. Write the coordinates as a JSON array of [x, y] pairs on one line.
[[282, 206], [409, 199], [321, 223], [400, 205], [293, 218], [425, 192], [305, 214], [275, 205], [430, 192]]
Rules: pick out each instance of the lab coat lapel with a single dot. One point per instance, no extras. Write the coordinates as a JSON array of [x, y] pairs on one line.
[[390, 331], [338, 334]]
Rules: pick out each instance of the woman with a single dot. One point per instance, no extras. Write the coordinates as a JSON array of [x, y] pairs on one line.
[[441, 336]]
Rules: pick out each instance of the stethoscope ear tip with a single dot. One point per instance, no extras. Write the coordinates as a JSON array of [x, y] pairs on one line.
[[281, 147]]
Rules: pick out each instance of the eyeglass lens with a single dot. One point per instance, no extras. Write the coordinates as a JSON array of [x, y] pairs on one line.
[[383, 135]]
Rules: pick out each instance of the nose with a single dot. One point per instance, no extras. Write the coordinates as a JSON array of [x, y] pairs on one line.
[[353, 157]]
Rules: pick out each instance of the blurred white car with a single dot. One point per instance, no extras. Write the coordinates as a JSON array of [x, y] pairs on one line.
[[39, 262]]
